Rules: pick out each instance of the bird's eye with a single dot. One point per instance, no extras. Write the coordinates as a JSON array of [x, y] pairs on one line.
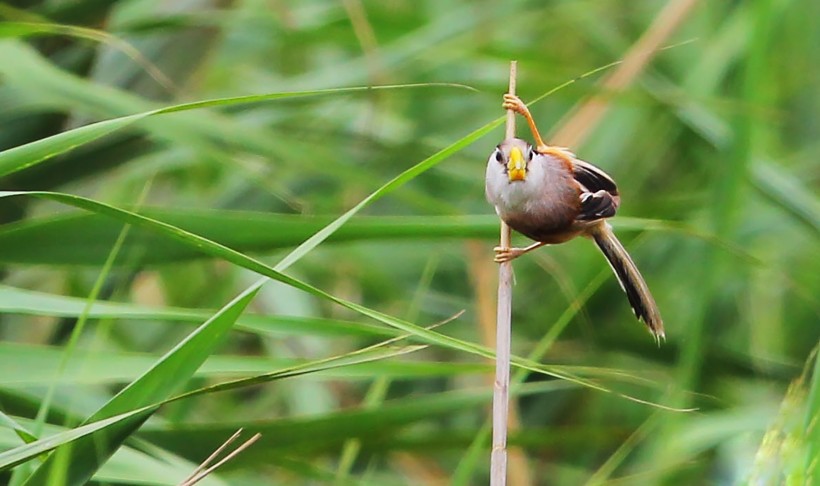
[[499, 157], [530, 152]]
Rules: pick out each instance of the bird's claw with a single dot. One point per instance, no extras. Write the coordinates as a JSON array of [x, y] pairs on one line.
[[503, 255], [514, 103]]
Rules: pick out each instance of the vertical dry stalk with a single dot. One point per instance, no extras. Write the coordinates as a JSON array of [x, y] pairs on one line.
[[501, 388]]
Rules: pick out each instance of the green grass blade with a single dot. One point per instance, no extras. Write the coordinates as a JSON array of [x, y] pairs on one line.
[[393, 184], [71, 344], [81, 238], [217, 250], [169, 374], [19, 455], [25, 29], [33, 153], [29, 302], [22, 432], [221, 251], [119, 427], [31, 365], [812, 425], [361, 356], [332, 429], [179, 364]]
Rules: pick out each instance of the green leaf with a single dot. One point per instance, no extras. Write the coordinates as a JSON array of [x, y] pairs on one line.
[[330, 430], [393, 184], [29, 302], [22, 432], [83, 238], [217, 250], [118, 428], [812, 425], [77, 463], [25, 29], [130, 420], [30, 365], [33, 153]]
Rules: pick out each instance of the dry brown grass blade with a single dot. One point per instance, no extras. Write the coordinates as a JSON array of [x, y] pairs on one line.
[[579, 123], [205, 468]]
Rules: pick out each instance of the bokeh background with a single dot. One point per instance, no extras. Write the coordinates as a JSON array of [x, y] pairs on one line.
[[710, 129]]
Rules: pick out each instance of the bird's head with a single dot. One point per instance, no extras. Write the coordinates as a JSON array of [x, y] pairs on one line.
[[513, 156]]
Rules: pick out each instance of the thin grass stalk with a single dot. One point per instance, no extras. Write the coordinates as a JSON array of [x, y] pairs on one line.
[[501, 388], [207, 468]]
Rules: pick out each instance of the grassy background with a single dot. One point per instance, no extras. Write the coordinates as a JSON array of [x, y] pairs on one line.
[[714, 147]]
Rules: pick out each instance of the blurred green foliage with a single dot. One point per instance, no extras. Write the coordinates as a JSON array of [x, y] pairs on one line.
[[716, 155]]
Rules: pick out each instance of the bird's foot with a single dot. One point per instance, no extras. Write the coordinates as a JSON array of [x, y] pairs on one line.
[[503, 255], [514, 103]]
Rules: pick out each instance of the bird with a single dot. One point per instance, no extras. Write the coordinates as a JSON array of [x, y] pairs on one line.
[[549, 195]]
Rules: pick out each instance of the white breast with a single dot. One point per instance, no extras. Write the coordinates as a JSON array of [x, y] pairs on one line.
[[547, 184]]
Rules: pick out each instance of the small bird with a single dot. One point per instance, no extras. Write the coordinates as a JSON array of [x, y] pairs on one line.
[[550, 196]]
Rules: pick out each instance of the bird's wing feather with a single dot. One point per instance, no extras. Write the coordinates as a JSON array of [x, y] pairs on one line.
[[599, 196], [597, 205], [592, 178]]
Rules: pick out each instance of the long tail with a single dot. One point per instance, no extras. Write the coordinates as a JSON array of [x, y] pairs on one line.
[[641, 300]]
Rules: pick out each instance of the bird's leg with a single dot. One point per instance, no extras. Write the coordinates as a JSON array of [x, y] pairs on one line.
[[507, 254], [514, 103]]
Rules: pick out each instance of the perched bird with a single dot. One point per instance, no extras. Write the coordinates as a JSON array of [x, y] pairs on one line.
[[549, 195]]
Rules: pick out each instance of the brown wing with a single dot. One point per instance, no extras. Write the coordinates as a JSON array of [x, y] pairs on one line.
[[597, 205], [592, 178], [599, 198]]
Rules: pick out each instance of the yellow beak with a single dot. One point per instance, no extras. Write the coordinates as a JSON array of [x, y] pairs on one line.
[[516, 167]]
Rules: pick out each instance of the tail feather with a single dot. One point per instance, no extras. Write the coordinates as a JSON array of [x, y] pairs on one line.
[[641, 300]]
